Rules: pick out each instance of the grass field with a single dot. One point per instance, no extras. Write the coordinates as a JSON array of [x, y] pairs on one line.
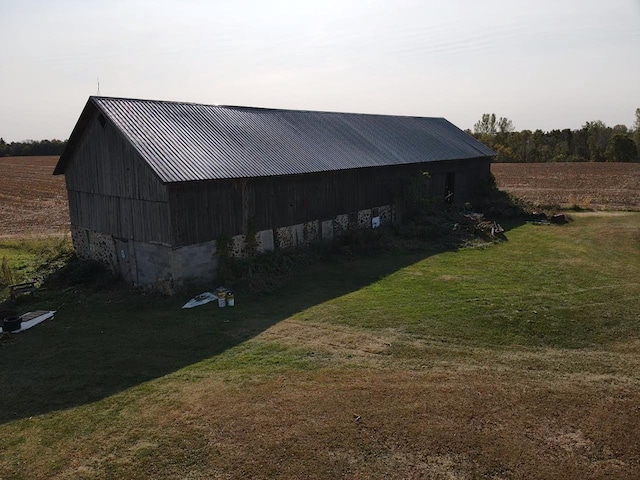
[[517, 360]]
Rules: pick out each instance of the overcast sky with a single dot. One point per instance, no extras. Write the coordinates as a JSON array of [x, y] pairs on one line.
[[542, 63]]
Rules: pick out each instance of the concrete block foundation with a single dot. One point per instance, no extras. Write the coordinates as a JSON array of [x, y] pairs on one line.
[[163, 268]]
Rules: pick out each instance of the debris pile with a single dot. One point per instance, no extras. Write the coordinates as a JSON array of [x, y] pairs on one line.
[[17, 324], [223, 295], [475, 223], [544, 219]]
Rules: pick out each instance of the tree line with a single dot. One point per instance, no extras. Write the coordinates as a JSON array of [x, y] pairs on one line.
[[32, 148], [594, 142]]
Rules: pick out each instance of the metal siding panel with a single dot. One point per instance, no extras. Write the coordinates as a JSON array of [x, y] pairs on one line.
[[190, 142]]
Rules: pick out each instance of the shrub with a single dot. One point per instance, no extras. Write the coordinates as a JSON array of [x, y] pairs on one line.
[[7, 276], [77, 271], [491, 201]]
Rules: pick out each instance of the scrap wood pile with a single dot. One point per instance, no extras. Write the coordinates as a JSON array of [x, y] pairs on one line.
[[475, 223], [544, 219]]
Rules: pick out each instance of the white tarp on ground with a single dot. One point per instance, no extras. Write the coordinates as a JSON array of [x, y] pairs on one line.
[[31, 319], [201, 299]]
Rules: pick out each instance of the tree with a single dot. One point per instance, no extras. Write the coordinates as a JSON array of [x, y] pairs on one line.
[[490, 125], [505, 125], [537, 145], [522, 145], [32, 147], [598, 135], [504, 153], [486, 125], [559, 145], [621, 149], [636, 127]]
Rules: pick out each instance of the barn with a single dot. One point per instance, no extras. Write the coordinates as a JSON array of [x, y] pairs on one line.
[[154, 187]]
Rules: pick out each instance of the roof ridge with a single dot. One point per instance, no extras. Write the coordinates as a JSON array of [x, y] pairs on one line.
[[249, 107], [149, 100]]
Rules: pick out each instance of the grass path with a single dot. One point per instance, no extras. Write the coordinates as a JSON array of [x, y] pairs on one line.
[[519, 360]]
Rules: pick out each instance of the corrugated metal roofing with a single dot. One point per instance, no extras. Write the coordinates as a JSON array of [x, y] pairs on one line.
[[186, 141]]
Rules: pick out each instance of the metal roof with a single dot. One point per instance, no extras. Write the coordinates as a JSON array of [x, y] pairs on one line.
[[187, 141]]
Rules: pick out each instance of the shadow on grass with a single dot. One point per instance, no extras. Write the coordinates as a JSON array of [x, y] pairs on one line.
[[104, 342], [101, 343]]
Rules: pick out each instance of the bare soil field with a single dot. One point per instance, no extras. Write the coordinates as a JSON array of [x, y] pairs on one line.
[[32, 200], [599, 186]]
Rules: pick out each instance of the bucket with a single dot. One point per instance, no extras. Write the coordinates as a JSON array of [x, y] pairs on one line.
[[231, 301], [222, 299]]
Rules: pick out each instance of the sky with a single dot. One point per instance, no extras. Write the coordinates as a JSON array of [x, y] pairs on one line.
[[543, 64]]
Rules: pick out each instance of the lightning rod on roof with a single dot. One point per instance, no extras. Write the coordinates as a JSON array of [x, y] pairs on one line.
[[98, 86]]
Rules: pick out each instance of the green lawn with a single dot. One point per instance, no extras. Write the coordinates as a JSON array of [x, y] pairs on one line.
[[20, 258], [516, 360]]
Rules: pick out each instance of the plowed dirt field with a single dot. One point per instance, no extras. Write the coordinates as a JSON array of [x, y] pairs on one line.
[[32, 200], [600, 186]]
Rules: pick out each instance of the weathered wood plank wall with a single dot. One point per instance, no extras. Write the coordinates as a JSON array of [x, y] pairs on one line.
[[204, 211], [112, 190]]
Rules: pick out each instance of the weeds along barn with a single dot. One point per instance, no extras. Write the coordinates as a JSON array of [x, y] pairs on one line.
[[154, 186]]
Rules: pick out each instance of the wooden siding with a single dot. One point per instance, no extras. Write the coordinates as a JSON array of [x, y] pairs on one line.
[[112, 190], [120, 217], [204, 211], [106, 163]]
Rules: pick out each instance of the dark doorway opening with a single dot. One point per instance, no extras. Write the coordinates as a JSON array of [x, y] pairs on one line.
[[449, 187]]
